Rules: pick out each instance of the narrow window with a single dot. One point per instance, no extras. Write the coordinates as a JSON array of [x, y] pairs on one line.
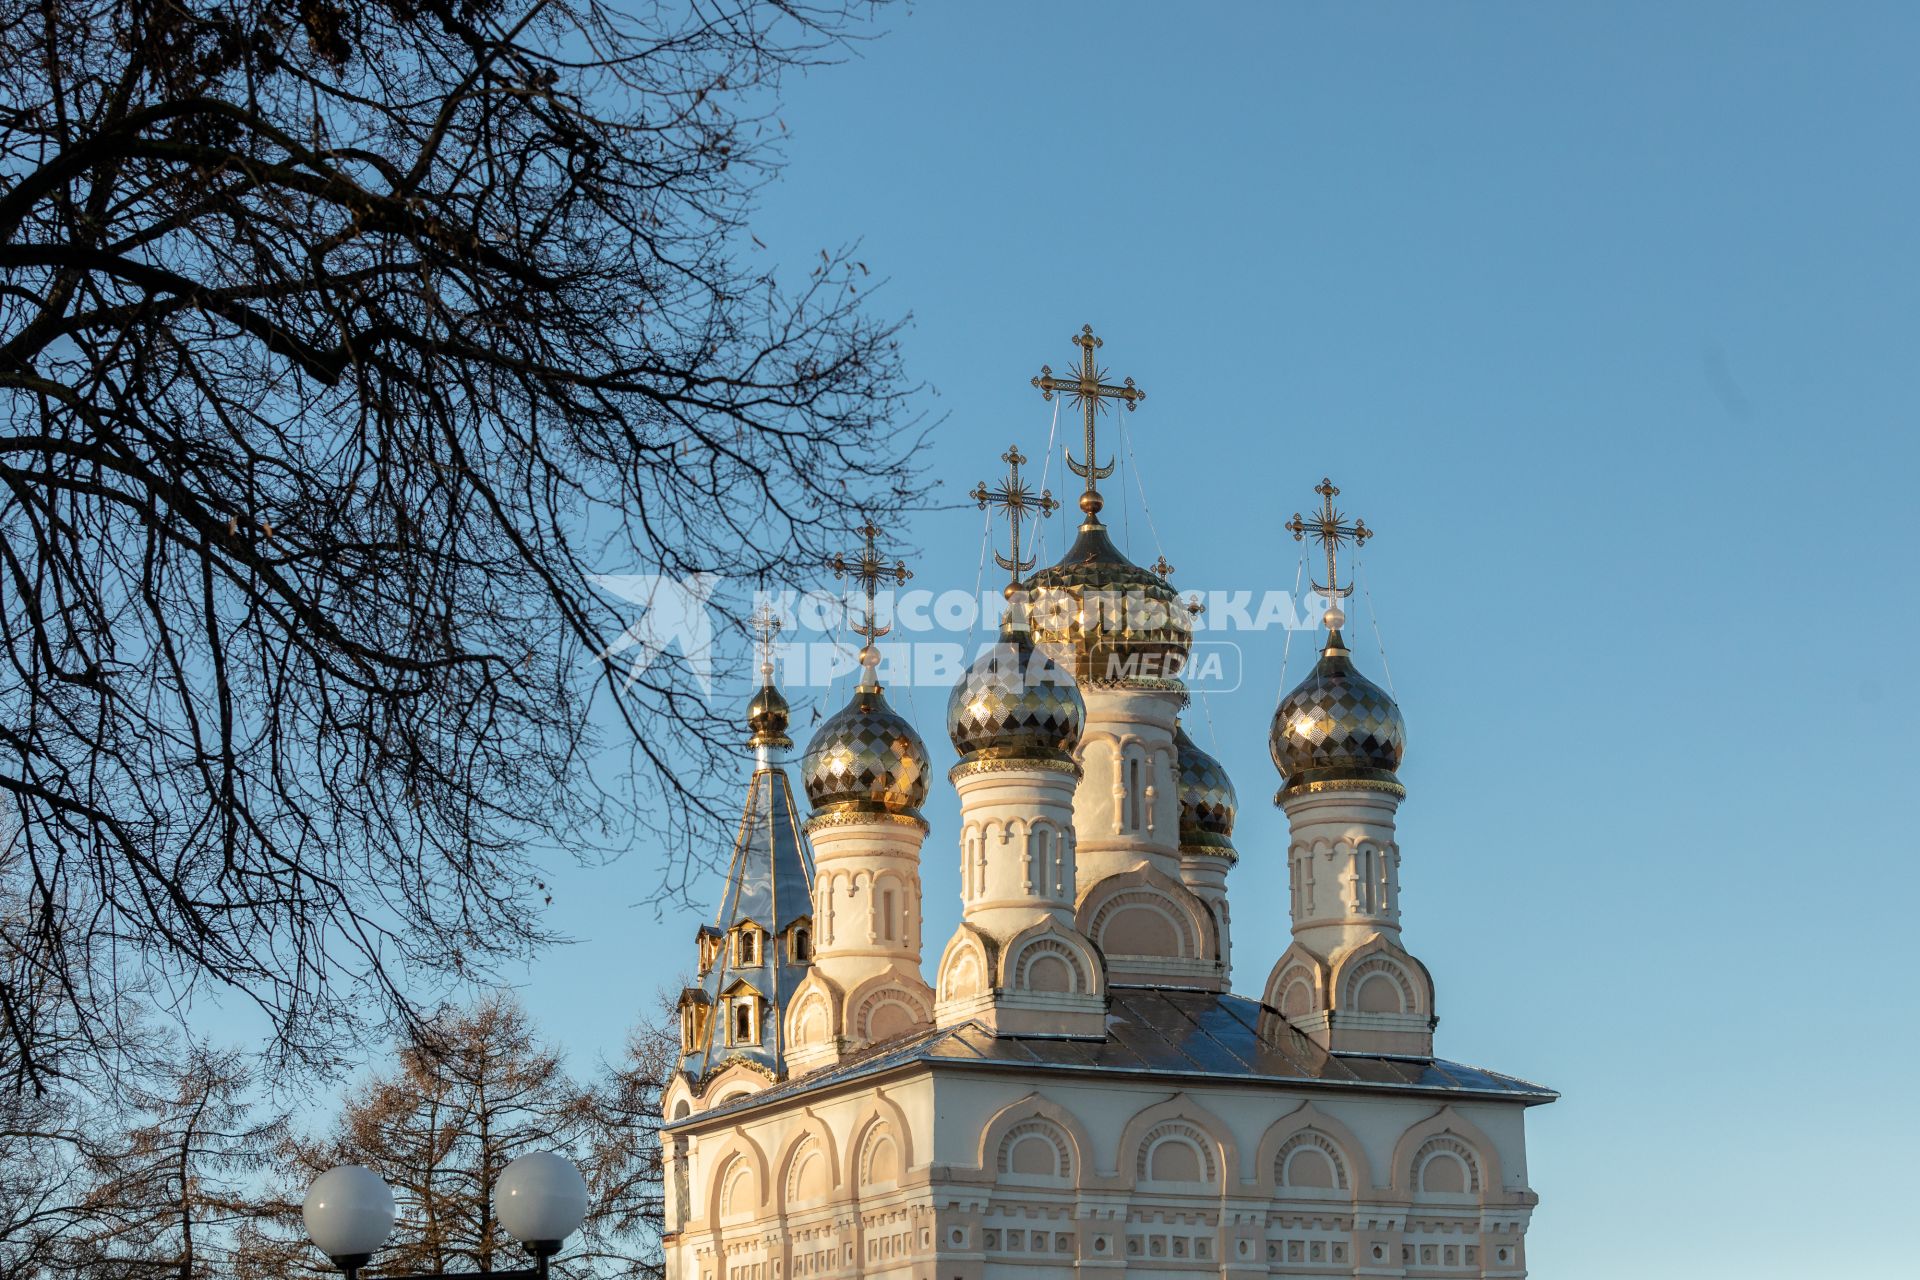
[[1133, 795], [743, 1022], [886, 915], [747, 947], [1042, 856], [802, 946]]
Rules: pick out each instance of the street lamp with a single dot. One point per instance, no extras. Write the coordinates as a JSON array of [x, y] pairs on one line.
[[540, 1197]]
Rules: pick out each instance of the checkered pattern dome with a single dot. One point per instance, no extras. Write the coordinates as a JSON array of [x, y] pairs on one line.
[[1015, 703], [1337, 726], [866, 758], [1207, 803]]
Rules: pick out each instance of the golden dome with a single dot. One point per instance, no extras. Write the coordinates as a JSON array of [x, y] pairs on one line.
[[865, 758], [1337, 728], [1207, 803], [1106, 620], [1015, 703], [767, 717]]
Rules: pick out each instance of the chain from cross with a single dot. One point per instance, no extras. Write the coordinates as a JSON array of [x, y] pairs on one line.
[[1015, 500], [1089, 392], [1331, 528], [869, 569]]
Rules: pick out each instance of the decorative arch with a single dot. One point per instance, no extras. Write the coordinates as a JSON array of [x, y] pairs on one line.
[[1146, 914], [1447, 1133], [889, 907], [881, 1165], [887, 1006], [1177, 1151], [1178, 1119], [738, 1078], [1304, 1126], [880, 1117], [967, 965], [809, 1165], [679, 1100], [813, 1011], [1049, 958], [1297, 985], [739, 1180], [1034, 1118], [1444, 1165], [1366, 976]]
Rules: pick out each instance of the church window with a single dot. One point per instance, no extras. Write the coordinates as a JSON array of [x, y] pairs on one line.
[[1041, 857], [746, 948], [886, 915], [744, 1029], [802, 948], [1133, 795]]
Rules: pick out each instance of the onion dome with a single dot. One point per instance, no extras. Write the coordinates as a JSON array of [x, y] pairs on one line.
[[1015, 703], [767, 717], [866, 758], [1337, 728], [1105, 619], [1207, 803]]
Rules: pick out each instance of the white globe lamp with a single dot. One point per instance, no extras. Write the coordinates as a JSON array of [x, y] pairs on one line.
[[349, 1214], [541, 1200]]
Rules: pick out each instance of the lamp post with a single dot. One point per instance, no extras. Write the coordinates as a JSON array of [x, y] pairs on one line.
[[541, 1199]]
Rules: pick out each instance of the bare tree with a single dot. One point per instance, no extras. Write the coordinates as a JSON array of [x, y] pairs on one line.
[[166, 1201], [340, 345], [623, 1154], [475, 1089]]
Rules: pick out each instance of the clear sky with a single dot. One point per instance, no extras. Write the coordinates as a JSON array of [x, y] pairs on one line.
[[1604, 317]]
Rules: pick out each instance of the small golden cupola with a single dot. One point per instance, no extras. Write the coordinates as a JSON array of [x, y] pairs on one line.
[[1208, 805], [1336, 728], [1105, 619], [767, 712], [1015, 703], [866, 757]]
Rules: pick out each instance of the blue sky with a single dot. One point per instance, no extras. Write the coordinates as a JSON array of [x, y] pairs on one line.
[[1604, 319]]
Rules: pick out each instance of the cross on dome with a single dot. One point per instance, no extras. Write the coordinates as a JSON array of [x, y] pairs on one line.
[[1015, 500], [1089, 392], [766, 625], [868, 568], [1330, 528]]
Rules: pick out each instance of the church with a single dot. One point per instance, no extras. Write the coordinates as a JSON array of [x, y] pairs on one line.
[[1076, 1086]]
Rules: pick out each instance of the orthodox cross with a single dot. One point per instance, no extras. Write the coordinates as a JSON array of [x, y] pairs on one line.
[[1015, 500], [766, 625], [1332, 529], [1088, 392], [1161, 567], [869, 569]]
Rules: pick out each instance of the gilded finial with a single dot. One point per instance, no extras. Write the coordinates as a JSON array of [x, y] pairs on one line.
[[868, 568], [1015, 500], [1089, 392], [1331, 528]]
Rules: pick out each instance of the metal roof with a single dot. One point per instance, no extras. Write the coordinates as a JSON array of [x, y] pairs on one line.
[[770, 883], [1167, 1034]]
